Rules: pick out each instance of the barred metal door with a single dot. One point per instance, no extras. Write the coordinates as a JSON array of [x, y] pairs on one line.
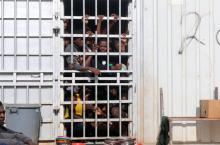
[[96, 107], [26, 57]]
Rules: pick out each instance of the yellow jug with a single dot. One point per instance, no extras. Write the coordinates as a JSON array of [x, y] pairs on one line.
[[79, 106]]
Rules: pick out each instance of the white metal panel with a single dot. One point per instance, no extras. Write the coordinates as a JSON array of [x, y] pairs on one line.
[[188, 77], [26, 57], [21, 9]]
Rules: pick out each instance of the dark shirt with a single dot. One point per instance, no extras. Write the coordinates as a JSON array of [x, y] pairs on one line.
[[11, 137]]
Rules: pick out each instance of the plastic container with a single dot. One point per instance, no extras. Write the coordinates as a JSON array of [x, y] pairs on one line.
[[120, 141], [24, 118], [61, 140], [78, 144]]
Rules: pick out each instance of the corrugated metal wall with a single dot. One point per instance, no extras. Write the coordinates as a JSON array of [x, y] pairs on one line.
[[185, 78]]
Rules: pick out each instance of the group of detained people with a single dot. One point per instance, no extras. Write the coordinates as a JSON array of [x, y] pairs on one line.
[[103, 45], [76, 63]]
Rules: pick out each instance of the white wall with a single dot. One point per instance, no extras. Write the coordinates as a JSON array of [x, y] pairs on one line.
[[185, 78]]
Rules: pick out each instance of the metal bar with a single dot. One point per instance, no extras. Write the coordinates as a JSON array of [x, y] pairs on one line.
[[2, 34], [108, 112], [86, 35], [40, 21], [28, 94], [108, 35], [15, 95], [84, 111], [96, 98], [15, 35], [84, 29], [93, 17], [119, 31], [26, 18], [3, 94], [120, 119], [27, 29], [96, 58], [72, 114]]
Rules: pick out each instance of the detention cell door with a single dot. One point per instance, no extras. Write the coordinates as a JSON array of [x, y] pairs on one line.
[[28, 63], [97, 107]]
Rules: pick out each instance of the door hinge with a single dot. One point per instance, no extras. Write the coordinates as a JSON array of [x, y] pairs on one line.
[[56, 31], [56, 16]]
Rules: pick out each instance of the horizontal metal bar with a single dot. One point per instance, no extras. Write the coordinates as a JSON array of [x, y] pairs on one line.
[[96, 84], [25, 85], [98, 36], [96, 53], [98, 102], [26, 18], [93, 18], [102, 71], [93, 78], [98, 120], [26, 72], [28, 55], [26, 36]]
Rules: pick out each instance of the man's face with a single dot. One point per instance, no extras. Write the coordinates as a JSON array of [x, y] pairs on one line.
[[2, 115], [79, 42]]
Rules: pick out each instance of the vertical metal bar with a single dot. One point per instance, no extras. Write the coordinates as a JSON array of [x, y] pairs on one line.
[[84, 39], [107, 34], [2, 94], [40, 94], [84, 111], [108, 113], [120, 126], [14, 84], [15, 95], [15, 35], [119, 31], [27, 29], [131, 107], [72, 119], [96, 11], [131, 45], [2, 34], [40, 21], [73, 74], [28, 94], [96, 123], [131, 89]]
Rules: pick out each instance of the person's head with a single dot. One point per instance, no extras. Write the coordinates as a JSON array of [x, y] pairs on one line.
[[103, 46], [2, 113], [115, 112], [66, 23], [123, 45], [78, 41], [114, 91], [66, 41]]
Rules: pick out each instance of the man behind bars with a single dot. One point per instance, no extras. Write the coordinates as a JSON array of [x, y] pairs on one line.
[[10, 137]]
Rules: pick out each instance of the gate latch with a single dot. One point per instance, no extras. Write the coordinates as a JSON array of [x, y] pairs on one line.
[[56, 31]]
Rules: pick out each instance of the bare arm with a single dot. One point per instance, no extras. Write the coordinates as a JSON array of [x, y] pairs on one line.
[[99, 24]]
